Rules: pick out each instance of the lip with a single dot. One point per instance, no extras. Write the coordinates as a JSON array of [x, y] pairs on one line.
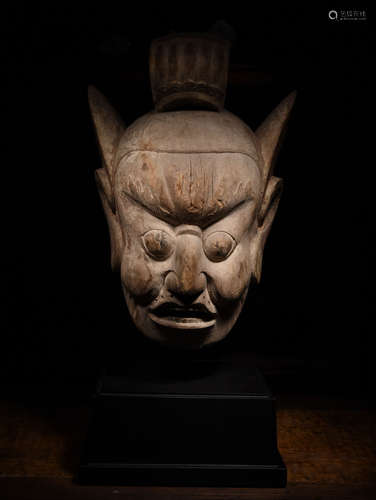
[[195, 317]]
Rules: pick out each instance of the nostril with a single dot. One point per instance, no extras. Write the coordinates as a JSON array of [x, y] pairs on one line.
[[187, 298]]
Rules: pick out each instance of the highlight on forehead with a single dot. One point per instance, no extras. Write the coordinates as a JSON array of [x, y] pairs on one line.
[[188, 187]]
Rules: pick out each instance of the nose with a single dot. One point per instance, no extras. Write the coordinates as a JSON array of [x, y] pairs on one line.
[[186, 281]]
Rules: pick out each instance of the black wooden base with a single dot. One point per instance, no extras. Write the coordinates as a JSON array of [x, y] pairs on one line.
[[192, 423]]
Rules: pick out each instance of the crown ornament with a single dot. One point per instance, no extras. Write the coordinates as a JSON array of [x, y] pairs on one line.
[[189, 71]]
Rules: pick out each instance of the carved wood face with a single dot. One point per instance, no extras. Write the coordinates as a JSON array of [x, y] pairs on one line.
[[187, 223], [189, 199]]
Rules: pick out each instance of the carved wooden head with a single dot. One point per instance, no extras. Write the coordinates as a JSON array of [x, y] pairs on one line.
[[189, 198]]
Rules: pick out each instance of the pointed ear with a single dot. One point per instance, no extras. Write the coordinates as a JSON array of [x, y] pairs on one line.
[[116, 236], [270, 203], [271, 132], [265, 219], [108, 127]]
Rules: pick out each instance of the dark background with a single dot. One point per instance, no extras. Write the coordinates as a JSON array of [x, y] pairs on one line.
[[309, 322]]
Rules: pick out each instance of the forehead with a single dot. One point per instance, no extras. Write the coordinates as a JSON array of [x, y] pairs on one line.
[[188, 187]]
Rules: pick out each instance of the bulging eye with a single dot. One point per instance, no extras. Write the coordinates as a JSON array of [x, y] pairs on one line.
[[158, 244], [219, 245]]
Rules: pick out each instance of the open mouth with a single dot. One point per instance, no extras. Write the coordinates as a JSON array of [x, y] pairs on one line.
[[194, 317]]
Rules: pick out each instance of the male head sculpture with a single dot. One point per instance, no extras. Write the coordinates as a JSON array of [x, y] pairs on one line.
[[189, 197]]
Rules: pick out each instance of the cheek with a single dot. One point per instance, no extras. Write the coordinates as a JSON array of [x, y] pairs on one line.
[[231, 277], [138, 275]]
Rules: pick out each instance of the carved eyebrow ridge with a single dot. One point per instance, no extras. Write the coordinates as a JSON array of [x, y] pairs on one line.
[[225, 212], [170, 220], [159, 214]]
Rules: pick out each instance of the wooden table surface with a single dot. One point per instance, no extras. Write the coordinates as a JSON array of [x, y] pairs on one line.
[[327, 443]]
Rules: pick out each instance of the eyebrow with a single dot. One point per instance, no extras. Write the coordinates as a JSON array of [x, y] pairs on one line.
[[169, 219], [221, 214]]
